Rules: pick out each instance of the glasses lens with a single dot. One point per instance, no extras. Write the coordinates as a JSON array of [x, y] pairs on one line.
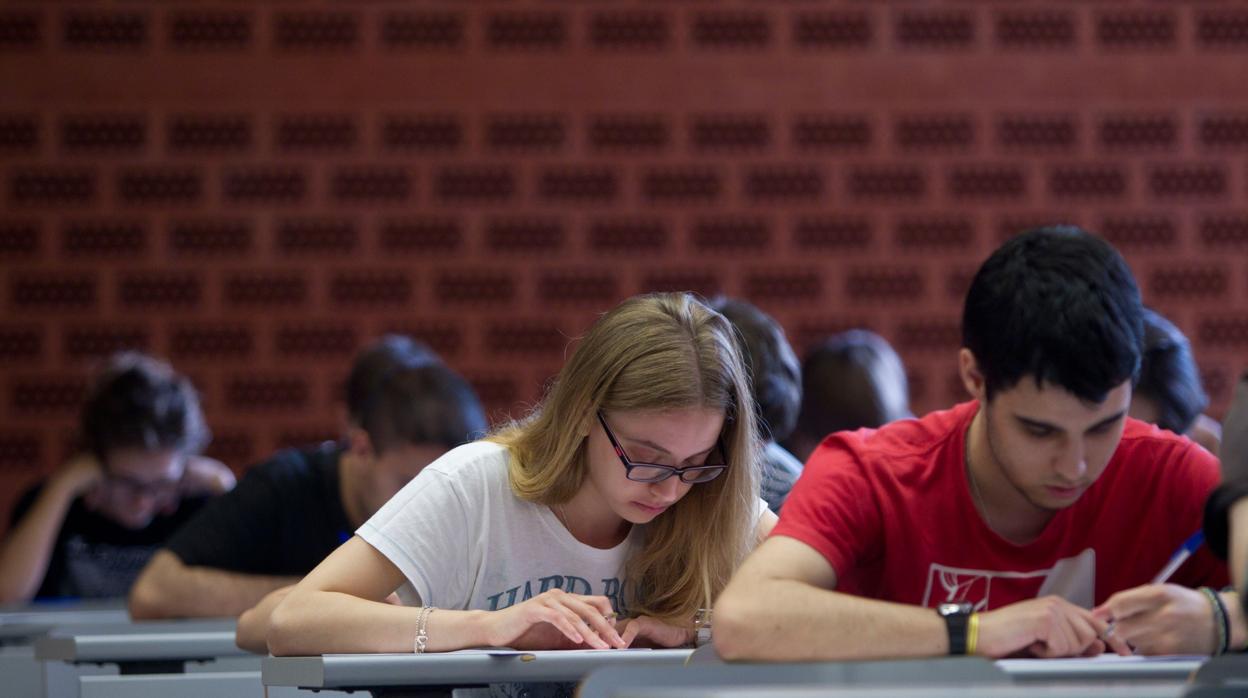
[[697, 476], [648, 473]]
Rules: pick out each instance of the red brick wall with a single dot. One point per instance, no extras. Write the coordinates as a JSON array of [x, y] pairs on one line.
[[254, 189]]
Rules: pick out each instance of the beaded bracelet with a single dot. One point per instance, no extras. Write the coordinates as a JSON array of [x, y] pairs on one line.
[[1221, 623], [422, 621]]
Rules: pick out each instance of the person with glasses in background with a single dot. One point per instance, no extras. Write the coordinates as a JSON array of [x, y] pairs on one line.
[[608, 517], [87, 530]]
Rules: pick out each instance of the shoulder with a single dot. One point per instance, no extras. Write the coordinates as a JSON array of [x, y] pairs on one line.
[[477, 463], [1147, 450], [311, 463], [906, 444]]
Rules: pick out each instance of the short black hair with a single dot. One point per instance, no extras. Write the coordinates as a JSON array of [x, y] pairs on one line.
[[1059, 305], [1168, 374], [774, 372], [850, 381], [137, 401], [401, 393]]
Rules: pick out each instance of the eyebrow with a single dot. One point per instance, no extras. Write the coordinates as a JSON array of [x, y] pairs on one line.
[[660, 449], [1045, 425]]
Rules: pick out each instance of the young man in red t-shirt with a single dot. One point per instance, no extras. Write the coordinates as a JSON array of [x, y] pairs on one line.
[[1031, 520]]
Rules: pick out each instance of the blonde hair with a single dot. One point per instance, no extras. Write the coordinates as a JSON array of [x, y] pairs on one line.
[[653, 352]]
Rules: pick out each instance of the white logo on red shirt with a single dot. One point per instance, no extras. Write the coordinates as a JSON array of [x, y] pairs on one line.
[[1072, 578]]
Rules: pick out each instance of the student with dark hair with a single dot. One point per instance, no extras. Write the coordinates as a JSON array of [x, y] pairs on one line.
[[776, 380], [849, 381], [1169, 393], [405, 409], [88, 529], [1030, 520]]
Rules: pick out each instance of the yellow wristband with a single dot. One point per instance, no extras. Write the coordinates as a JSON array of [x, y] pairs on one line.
[[972, 634]]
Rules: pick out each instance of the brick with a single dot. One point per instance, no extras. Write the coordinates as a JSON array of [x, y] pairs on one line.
[[987, 182], [160, 186], [526, 132], [784, 286], [832, 132], [20, 30], [526, 31], [705, 283], [731, 30], [108, 31], [1225, 231], [104, 133], [582, 183], [947, 132], [833, 30], [209, 133], [21, 342], [247, 289], [316, 31], [86, 342], [305, 133], [1037, 132], [1030, 29], [732, 235], [1222, 29], [630, 31], [371, 288], [267, 393], [1137, 30], [318, 236], [525, 337], [525, 235], [320, 340], [422, 30], [831, 233], [104, 238], [932, 233], [159, 289], [210, 31], [48, 396], [569, 287], [1088, 181], [470, 286], [865, 284], [939, 335], [64, 291], [1153, 132], [422, 236], [212, 237], [887, 182], [266, 184], [1194, 180], [629, 132], [1140, 232], [468, 184], [217, 341], [719, 132], [375, 184], [423, 133], [935, 29], [444, 337], [47, 186], [618, 236], [682, 184], [775, 183]]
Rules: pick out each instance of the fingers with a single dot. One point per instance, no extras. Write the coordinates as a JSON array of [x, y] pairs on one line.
[[592, 621], [1114, 641], [557, 617], [1131, 602]]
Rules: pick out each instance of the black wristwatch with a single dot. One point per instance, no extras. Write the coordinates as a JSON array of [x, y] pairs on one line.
[[956, 616]]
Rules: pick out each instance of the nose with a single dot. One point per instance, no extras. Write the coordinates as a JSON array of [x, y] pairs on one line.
[[1072, 464], [669, 489]]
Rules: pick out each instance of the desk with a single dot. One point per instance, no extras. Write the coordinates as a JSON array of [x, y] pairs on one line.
[[1104, 668], [406, 674], [23, 675], [154, 647], [231, 684], [930, 678]]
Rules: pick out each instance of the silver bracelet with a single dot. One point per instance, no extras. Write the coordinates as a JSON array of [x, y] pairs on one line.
[[422, 622]]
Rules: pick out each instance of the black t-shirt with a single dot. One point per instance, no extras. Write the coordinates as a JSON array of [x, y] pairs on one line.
[[95, 557], [282, 518]]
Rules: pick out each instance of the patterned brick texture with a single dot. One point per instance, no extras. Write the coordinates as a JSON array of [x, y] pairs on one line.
[[256, 189]]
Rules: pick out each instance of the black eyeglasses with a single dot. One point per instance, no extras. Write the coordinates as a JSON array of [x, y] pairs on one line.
[[653, 472]]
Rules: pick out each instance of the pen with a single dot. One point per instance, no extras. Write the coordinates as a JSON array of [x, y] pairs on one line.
[[1180, 556]]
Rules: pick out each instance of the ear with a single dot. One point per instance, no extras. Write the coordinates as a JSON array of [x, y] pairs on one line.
[[584, 425], [358, 443], [972, 378]]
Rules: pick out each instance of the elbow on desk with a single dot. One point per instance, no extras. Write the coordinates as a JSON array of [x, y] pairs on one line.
[[732, 632], [281, 636], [144, 601]]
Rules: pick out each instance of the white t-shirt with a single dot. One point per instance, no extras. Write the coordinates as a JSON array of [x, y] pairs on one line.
[[465, 541]]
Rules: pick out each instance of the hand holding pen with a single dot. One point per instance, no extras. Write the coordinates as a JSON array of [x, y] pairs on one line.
[[1162, 618]]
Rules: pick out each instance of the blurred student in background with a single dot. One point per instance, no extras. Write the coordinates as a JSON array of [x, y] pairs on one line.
[[776, 380], [849, 381], [404, 410], [87, 530], [1169, 393]]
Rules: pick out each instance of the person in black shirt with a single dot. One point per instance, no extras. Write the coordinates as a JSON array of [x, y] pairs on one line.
[[1226, 512], [88, 529], [405, 409]]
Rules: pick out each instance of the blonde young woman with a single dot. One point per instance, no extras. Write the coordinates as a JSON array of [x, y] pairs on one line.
[[632, 490]]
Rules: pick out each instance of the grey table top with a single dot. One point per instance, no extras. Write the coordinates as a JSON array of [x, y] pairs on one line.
[[144, 641], [468, 668]]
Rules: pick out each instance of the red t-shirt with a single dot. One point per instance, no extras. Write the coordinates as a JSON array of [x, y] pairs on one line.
[[891, 510]]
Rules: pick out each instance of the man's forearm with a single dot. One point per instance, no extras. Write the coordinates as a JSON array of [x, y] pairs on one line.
[[170, 589], [784, 620]]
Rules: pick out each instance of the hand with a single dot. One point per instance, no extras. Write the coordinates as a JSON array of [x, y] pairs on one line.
[[205, 476], [1161, 619], [81, 474], [556, 619], [1046, 627], [644, 631]]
